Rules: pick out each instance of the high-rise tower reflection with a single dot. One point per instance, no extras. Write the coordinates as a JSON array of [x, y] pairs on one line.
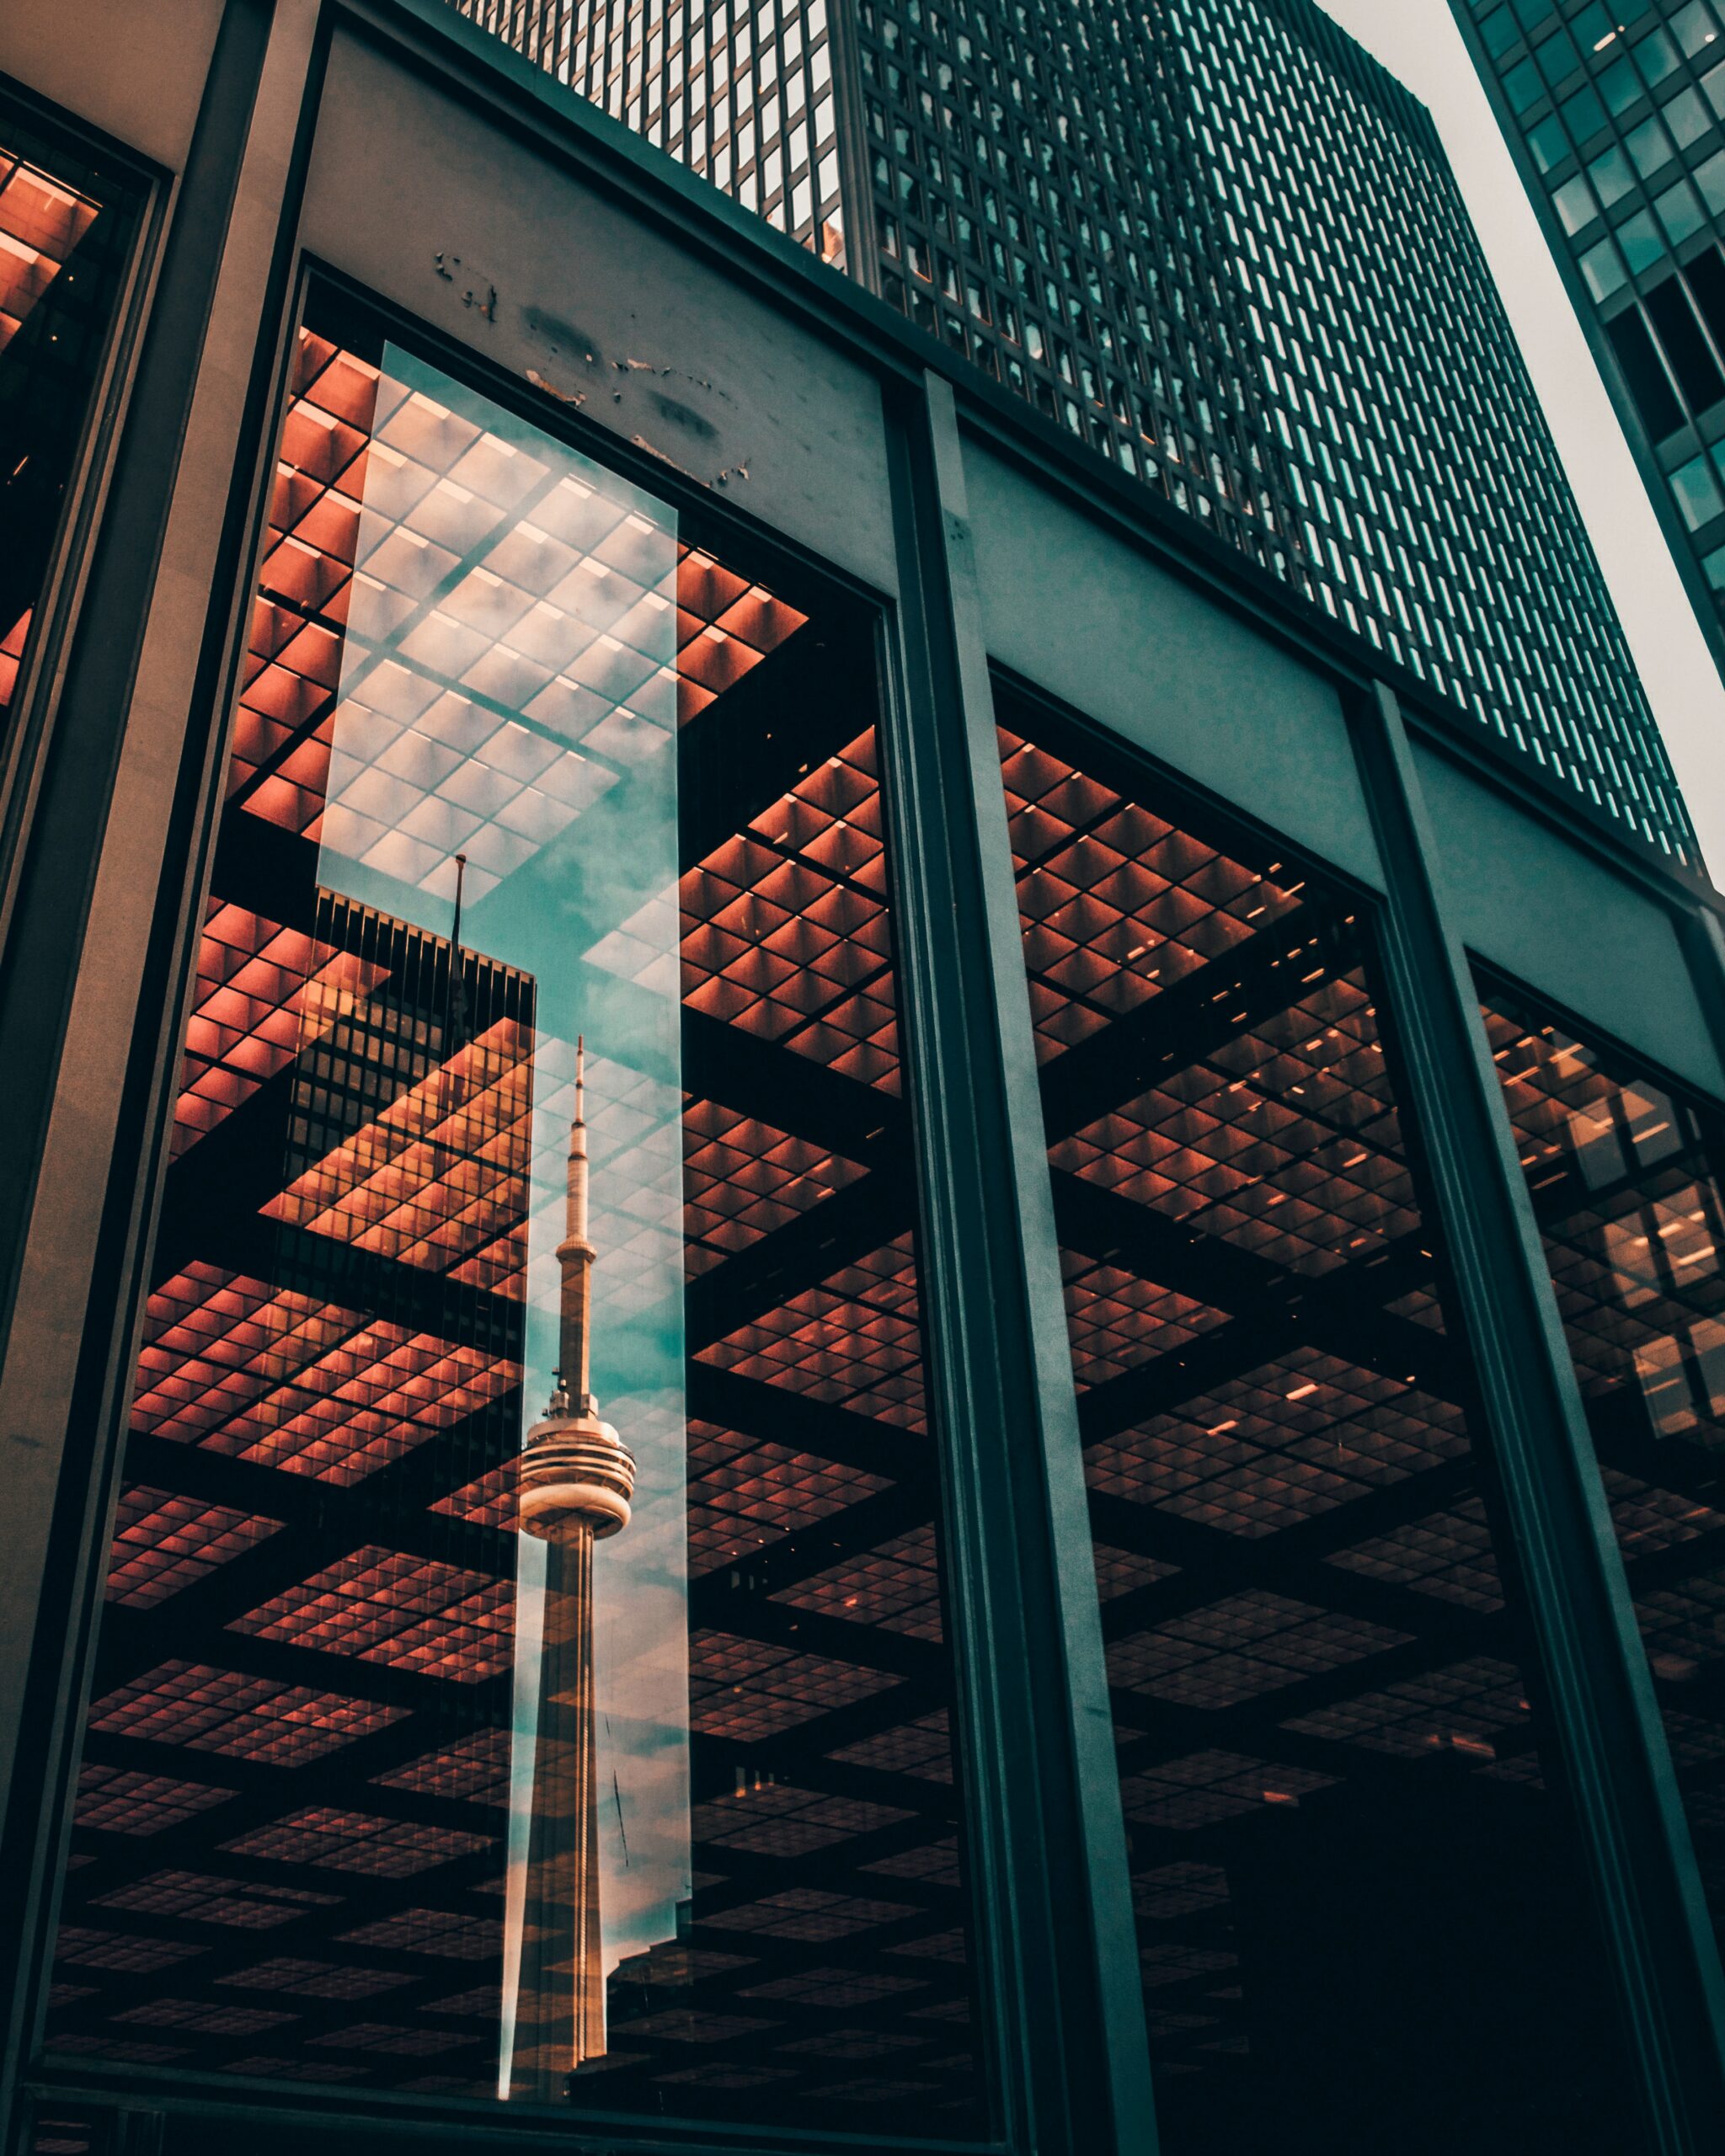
[[577, 1479]]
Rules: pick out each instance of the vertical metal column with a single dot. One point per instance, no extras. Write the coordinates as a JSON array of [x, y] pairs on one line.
[[1059, 1952], [103, 931], [1646, 1885]]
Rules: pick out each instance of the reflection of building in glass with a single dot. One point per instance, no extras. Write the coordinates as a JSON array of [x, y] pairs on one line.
[[577, 1479], [1215, 241], [1308, 1635], [319, 1565], [58, 243], [1623, 1173]]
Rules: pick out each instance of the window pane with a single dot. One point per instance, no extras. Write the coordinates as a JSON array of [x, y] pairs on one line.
[[1593, 28], [1687, 118], [65, 229], [1522, 86], [1557, 57], [1583, 114], [1611, 176], [1697, 492], [418, 1760], [1644, 370], [1327, 1717], [1649, 146], [1710, 177], [1500, 30], [1623, 1176], [1696, 27], [1575, 204], [1620, 85], [1679, 212], [1603, 268], [1656, 56], [1641, 241], [1549, 143]]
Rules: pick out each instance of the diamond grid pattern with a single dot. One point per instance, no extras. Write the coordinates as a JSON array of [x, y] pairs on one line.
[[1279, 1445], [785, 931], [278, 1379], [745, 1690], [746, 1494], [1116, 904], [264, 993], [897, 1586], [1620, 1165], [742, 1178], [1465, 1709], [439, 1174], [1242, 1646], [243, 1717], [1285, 1144], [851, 1343], [164, 1542], [406, 1613]]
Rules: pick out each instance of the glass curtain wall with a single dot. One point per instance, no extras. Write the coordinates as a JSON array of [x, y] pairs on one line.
[[524, 1671], [1361, 1919], [65, 225], [1624, 1173]]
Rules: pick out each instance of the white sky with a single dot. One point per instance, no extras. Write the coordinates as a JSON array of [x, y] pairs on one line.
[[1418, 41]]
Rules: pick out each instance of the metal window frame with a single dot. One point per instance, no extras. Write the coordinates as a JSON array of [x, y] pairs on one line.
[[1647, 1886], [88, 481]]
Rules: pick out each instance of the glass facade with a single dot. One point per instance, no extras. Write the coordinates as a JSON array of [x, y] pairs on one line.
[[1620, 114], [742, 95], [524, 1671], [1352, 1865], [775, 1381], [1624, 1171], [65, 225], [1214, 241]]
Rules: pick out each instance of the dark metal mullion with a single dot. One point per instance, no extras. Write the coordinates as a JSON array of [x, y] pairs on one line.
[[1059, 1953], [1618, 1764]]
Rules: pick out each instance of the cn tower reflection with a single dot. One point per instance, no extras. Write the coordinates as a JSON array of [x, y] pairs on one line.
[[576, 1482]]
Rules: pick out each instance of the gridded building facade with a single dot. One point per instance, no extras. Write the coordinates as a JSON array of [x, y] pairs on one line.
[[1156, 1207], [1216, 241], [1615, 120]]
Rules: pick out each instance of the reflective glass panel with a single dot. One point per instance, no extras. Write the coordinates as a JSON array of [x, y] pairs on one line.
[[523, 1671], [65, 228], [1624, 1173], [1362, 1921]]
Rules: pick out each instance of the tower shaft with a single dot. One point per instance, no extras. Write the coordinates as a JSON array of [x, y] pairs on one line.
[[560, 2004]]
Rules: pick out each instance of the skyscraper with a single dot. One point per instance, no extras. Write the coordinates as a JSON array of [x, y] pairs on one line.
[[1292, 1718], [1218, 242], [1614, 118]]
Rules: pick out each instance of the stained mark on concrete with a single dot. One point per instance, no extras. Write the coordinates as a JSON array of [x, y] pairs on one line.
[[684, 416], [564, 337]]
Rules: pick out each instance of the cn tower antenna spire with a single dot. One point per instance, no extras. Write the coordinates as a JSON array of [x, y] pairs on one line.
[[575, 1255]]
